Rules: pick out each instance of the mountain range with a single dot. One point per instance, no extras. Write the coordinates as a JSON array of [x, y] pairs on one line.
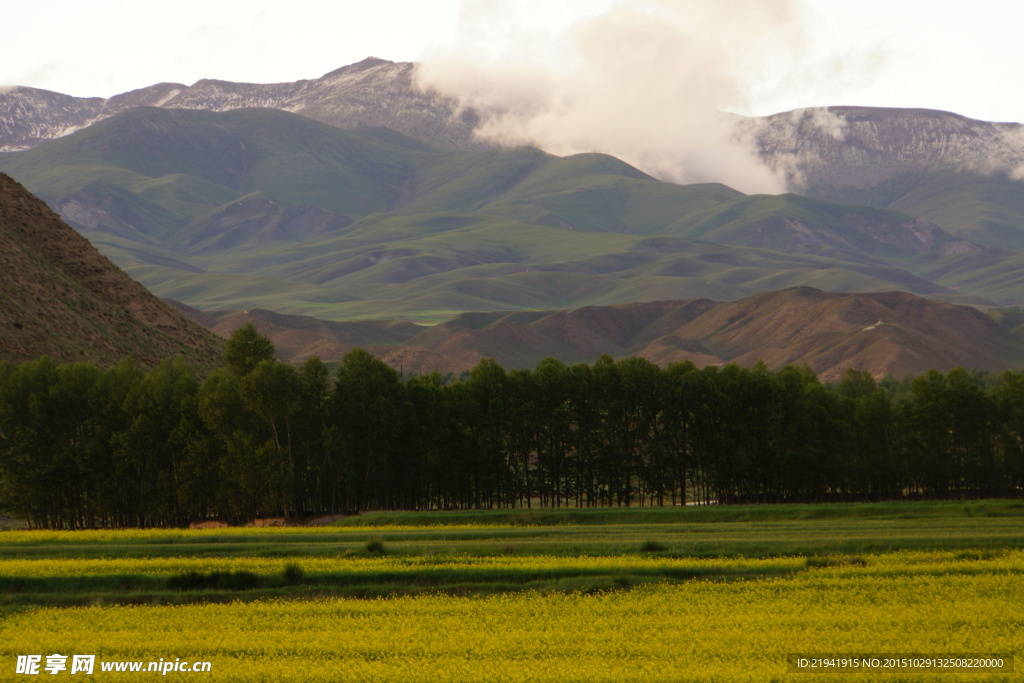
[[373, 92], [261, 208], [956, 172], [356, 197]]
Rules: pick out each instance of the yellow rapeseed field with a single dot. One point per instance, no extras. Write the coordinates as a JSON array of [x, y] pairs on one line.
[[742, 630]]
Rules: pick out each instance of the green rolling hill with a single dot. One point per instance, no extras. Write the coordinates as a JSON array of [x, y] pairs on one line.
[[265, 209]]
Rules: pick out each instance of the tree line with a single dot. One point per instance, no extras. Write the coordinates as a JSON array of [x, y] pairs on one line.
[[82, 446]]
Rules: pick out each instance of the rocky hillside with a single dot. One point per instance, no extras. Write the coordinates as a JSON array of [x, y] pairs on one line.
[[62, 298], [961, 174], [374, 92], [887, 333], [865, 147]]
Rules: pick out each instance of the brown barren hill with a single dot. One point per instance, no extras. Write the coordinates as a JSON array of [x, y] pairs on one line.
[[884, 333], [60, 297], [581, 335]]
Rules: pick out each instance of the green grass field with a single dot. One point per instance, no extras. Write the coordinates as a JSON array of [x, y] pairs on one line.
[[483, 552], [642, 594]]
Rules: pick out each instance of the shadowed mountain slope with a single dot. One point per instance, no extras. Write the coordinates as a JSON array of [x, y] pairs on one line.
[[62, 298]]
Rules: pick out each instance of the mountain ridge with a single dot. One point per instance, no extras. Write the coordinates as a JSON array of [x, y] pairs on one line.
[[379, 92], [803, 144], [371, 92], [959, 173]]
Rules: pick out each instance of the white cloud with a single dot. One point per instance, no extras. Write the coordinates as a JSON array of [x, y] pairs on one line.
[[645, 81]]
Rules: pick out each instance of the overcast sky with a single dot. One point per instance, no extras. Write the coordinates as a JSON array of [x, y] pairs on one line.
[[957, 56]]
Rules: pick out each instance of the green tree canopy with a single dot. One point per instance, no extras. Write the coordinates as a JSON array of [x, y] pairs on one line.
[[246, 349]]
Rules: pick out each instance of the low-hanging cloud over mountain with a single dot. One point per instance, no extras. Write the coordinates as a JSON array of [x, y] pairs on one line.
[[647, 82]]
